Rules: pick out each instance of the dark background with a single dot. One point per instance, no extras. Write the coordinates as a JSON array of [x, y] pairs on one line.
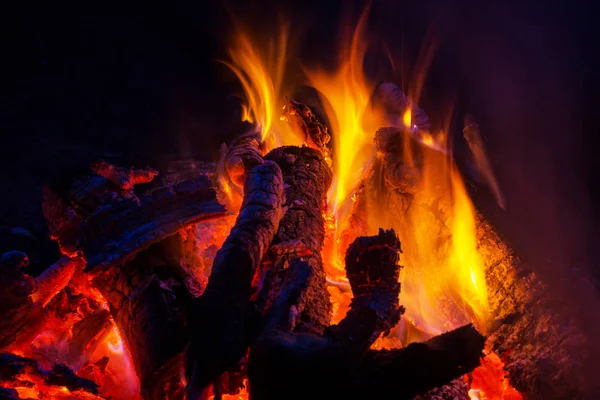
[[138, 84]]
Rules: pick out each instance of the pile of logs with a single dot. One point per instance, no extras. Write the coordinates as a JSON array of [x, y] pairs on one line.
[[264, 314]]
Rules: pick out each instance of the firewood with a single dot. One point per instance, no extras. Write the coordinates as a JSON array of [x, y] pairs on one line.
[[301, 233], [108, 224], [87, 334], [373, 272], [242, 154], [220, 319], [338, 363], [421, 366], [122, 177], [55, 278], [149, 312], [12, 366], [314, 133], [21, 318]]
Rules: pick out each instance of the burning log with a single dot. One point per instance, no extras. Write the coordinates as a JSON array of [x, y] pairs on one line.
[[20, 317], [373, 272], [108, 224], [243, 153], [17, 371], [338, 364], [55, 278], [301, 232], [302, 119], [220, 323], [150, 315], [88, 333]]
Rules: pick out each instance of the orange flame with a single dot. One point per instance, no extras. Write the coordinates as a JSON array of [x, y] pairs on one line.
[[443, 282]]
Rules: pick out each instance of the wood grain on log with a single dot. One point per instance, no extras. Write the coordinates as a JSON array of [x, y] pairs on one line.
[[220, 320], [55, 278], [21, 319], [108, 224], [301, 233], [150, 312]]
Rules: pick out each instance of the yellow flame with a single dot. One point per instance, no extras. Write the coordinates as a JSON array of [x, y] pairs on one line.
[[443, 282], [260, 66], [464, 257], [247, 114], [407, 118]]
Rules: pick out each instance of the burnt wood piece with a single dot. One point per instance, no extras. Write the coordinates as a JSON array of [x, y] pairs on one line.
[[419, 366], [21, 319], [339, 364], [243, 153], [456, 389], [314, 133], [301, 233], [280, 359], [12, 365], [87, 334], [55, 278], [108, 224], [148, 303], [373, 272], [220, 318], [125, 178]]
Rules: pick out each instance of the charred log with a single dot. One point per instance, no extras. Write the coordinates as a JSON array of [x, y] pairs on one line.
[[281, 358], [55, 278], [220, 320], [20, 317], [306, 177], [339, 363], [108, 224], [150, 313], [314, 133], [240, 156], [13, 366], [421, 366]]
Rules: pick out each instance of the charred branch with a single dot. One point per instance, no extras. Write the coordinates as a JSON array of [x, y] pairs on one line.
[[421, 366], [220, 320]]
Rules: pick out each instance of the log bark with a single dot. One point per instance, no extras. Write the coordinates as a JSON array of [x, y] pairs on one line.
[[55, 278], [21, 318], [221, 318], [12, 366], [373, 272], [338, 364], [107, 223], [304, 122], [421, 366], [148, 303], [301, 233]]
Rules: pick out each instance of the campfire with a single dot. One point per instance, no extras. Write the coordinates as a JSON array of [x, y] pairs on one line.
[[333, 251]]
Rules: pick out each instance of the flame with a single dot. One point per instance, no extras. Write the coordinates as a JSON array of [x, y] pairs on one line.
[[260, 67], [443, 279]]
